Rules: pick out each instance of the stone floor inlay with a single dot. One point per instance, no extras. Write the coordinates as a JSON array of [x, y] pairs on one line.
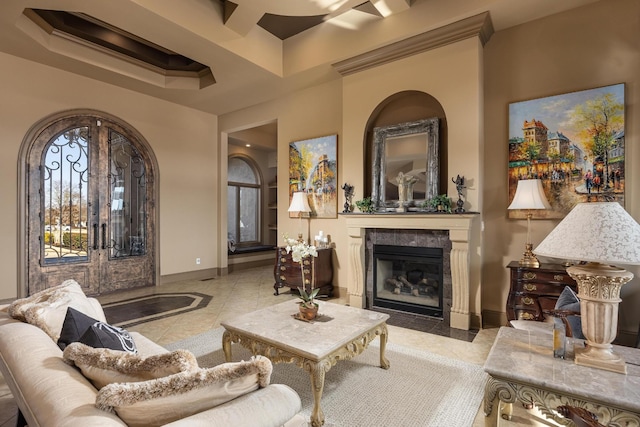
[[139, 310]]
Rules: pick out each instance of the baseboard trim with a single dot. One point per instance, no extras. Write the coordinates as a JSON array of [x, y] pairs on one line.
[[493, 319], [207, 273]]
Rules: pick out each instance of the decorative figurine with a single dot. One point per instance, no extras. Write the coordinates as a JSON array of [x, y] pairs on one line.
[[459, 182], [348, 196]]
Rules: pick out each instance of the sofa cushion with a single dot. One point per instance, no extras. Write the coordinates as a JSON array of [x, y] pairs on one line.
[[103, 366], [163, 400], [568, 300], [47, 309]]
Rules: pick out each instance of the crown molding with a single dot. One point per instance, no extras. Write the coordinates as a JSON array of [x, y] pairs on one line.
[[475, 26]]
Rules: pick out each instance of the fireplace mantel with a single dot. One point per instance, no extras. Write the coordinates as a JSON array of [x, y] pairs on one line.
[[464, 233]]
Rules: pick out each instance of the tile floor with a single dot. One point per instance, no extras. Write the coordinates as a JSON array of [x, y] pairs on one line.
[[247, 290]]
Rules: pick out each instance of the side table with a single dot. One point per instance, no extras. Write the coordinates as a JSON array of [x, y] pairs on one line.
[[522, 368], [318, 272], [535, 289]]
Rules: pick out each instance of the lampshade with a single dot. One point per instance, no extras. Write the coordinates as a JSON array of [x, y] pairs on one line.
[[529, 195], [299, 202], [600, 232]]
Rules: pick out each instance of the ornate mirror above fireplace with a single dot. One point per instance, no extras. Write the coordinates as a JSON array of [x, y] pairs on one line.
[[406, 165]]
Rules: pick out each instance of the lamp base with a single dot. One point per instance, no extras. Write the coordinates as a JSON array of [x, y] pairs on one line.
[[600, 358], [599, 293], [528, 257]]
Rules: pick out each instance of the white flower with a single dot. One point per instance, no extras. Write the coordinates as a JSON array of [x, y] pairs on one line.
[[299, 250]]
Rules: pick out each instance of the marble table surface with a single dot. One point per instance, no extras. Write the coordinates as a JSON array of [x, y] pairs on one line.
[[526, 357], [335, 325]]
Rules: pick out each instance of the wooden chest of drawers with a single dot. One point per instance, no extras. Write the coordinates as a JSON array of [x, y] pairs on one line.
[[318, 272], [534, 290]]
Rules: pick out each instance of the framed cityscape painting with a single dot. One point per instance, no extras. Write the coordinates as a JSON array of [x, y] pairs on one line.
[[313, 168], [574, 143]]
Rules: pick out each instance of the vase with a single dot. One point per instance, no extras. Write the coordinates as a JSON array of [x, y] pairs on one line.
[[308, 313]]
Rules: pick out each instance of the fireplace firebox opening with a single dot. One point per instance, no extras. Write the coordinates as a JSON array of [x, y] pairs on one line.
[[408, 279]]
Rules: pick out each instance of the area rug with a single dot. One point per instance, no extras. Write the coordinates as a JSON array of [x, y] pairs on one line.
[[420, 388]]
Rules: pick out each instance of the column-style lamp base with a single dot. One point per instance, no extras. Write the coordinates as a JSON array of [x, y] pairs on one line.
[[599, 292]]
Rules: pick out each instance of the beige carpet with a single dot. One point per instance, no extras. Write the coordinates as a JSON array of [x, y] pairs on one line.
[[420, 388]]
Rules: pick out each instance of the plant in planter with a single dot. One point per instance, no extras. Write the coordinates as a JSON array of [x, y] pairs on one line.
[[438, 203], [299, 251], [308, 306], [365, 205]]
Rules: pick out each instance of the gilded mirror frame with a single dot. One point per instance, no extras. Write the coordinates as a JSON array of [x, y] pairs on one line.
[[381, 136]]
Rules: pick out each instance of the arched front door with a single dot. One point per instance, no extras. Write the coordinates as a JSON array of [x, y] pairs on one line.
[[90, 210]]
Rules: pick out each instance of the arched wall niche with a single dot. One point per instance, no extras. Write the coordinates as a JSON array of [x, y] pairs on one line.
[[402, 107]]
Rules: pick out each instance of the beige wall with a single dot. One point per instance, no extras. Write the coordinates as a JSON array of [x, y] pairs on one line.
[[182, 140], [596, 45]]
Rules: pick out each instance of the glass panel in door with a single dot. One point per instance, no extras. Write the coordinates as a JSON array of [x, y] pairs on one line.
[[127, 213], [64, 236]]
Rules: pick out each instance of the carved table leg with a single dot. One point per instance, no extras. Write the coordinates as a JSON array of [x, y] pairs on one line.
[[317, 371], [226, 346], [384, 363]]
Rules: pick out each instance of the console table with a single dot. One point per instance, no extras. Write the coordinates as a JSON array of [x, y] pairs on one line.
[[318, 272], [535, 289], [522, 368]]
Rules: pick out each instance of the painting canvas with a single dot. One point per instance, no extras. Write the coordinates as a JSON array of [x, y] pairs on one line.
[[574, 143], [313, 168]]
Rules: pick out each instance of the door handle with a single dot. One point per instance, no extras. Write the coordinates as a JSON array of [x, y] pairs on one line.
[[95, 237], [104, 235]]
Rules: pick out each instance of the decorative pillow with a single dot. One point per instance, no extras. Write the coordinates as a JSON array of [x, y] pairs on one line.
[[74, 326], [78, 327], [47, 309], [103, 366], [568, 300], [163, 400], [103, 335]]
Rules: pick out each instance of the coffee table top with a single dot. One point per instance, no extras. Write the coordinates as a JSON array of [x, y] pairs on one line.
[[335, 326], [526, 357]]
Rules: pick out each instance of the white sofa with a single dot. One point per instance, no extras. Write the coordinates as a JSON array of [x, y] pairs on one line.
[[50, 392]]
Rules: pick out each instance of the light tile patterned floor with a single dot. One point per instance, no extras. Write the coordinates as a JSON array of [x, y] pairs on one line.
[[250, 289]]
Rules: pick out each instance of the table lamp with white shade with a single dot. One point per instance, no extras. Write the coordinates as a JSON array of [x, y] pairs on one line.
[[529, 195], [299, 204], [601, 234]]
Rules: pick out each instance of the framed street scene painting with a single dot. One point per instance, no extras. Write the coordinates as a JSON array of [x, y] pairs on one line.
[[313, 168], [574, 143]]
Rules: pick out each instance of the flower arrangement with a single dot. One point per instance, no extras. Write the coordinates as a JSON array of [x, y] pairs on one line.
[[300, 250]]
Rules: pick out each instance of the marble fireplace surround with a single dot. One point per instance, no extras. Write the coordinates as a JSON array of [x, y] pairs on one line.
[[464, 233]]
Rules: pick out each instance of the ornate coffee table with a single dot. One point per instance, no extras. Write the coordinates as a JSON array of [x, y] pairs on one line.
[[339, 333]]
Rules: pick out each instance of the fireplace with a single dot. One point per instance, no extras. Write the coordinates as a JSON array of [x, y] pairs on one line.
[[460, 239], [408, 279]]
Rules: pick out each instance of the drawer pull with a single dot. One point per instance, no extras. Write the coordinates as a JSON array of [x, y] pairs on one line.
[[530, 287], [306, 262], [283, 259], [530, 275], [527, 316], [283, 268], [284, 279], [528, 301], [283, 251], [558, 277]]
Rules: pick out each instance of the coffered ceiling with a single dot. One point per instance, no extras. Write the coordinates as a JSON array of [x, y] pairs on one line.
[[220, 55]]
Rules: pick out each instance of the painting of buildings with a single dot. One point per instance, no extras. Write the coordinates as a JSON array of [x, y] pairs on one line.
[[574, 143]]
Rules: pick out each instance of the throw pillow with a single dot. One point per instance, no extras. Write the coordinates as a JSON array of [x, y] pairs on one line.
[[74, 326], [103, 335], [568, 300], [78, 327], [47, 309], [104, 366], [163, 400]]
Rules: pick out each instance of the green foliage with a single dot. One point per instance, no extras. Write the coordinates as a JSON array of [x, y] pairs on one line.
[[365, 205], [308, 297], [74, 241], [440, 203]]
